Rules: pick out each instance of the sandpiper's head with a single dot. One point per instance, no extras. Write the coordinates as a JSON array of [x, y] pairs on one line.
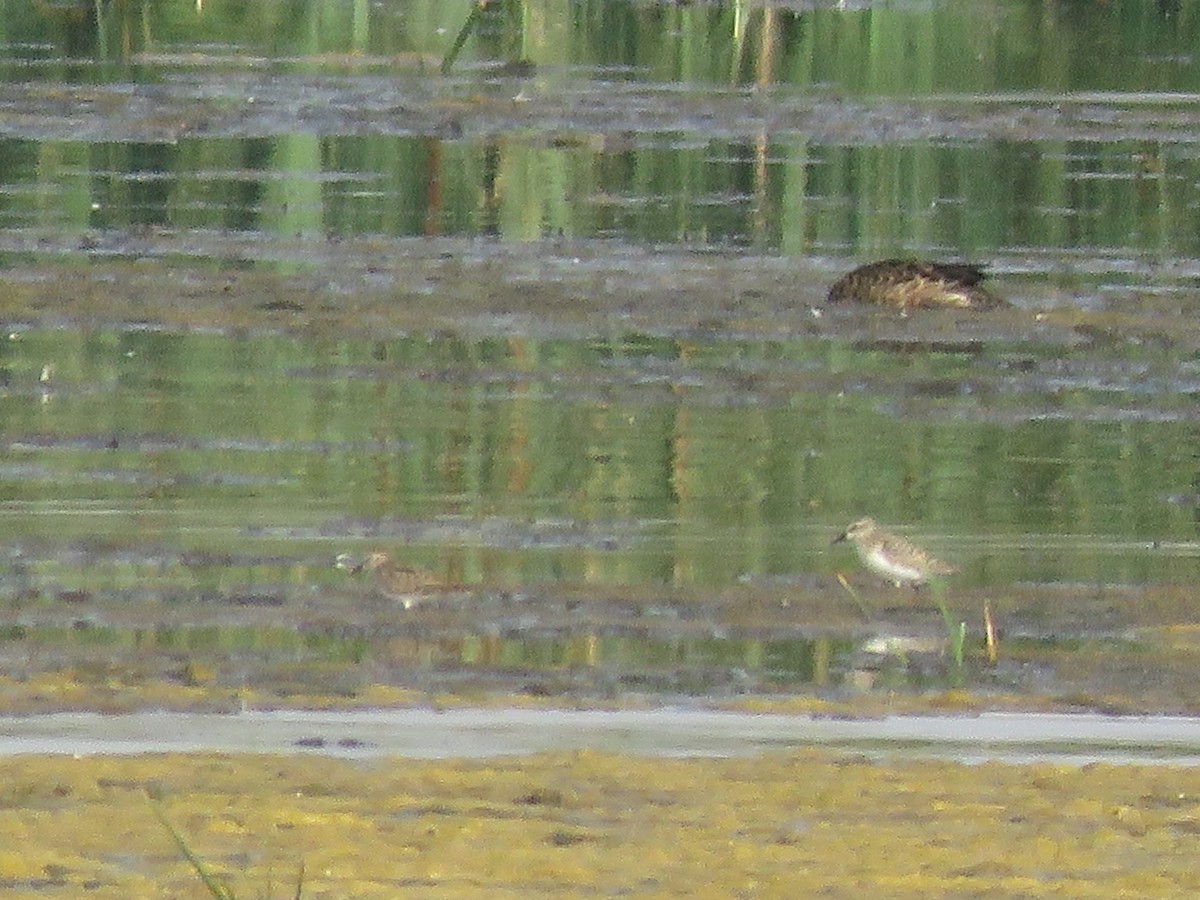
[[857, 530]]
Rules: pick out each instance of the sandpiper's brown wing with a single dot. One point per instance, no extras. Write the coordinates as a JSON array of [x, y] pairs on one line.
[[902, 549], [398, 579]]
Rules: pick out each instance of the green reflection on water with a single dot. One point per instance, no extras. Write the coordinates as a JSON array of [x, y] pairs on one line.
[[791, 166], [236, 651], [229, 468], [622, 461]]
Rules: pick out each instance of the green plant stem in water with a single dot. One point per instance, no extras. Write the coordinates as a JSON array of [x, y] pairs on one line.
[[862, 607], [956, 632], [460, 39]]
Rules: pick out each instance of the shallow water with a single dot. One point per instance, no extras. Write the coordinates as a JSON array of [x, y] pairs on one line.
[[534, 298], [551, 324], [1021, 738], [647, 509]]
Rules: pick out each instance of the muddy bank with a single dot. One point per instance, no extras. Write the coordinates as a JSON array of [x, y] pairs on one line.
[[163, 279]]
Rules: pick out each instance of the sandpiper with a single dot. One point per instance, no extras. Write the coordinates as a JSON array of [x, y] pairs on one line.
[[890, 555], [404, 584], [914, 283]]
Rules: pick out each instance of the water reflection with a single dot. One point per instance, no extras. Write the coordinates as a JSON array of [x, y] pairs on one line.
[[627, 514], [317, 654], [863, 131], [643, 458], [579, 421]]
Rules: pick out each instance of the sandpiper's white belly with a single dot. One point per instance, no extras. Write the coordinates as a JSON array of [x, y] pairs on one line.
[[887, 565]]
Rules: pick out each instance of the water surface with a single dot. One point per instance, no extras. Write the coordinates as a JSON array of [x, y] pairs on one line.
[[545, 315]]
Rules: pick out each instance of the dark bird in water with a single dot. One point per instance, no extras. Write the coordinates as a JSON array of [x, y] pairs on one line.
[[914, 283]]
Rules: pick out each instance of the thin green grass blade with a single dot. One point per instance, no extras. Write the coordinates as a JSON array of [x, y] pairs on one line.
[[215, 887], [956, 632], [862, 607], [460, 39]]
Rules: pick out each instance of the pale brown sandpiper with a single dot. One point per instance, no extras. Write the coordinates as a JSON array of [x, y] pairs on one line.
[[891, 556], [404, 584]]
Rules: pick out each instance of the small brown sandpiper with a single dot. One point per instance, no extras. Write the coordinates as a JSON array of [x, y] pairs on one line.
[[890, 555], [404, 584], [915, 283]]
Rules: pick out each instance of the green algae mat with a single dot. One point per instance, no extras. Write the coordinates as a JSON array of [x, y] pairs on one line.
[[588, 824]]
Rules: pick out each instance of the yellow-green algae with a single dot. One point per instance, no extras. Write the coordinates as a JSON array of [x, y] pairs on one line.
[[580, 824]]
